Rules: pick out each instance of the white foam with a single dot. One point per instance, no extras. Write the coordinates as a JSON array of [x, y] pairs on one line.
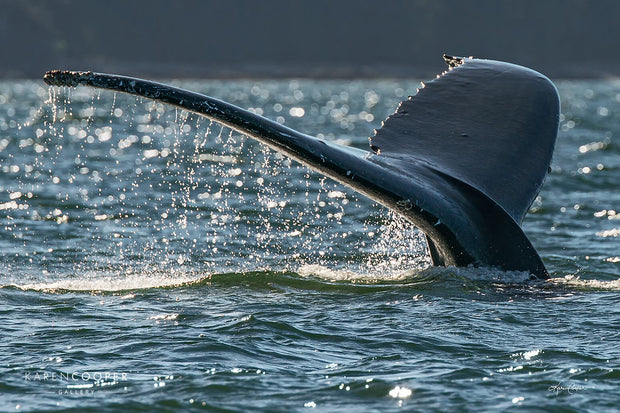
[[573, 281], [113, 282], [491, 274], [335, 275], [129, 281], [393, 271], [386, 273]]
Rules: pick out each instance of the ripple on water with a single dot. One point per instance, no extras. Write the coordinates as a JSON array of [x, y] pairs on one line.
[[210, 273]]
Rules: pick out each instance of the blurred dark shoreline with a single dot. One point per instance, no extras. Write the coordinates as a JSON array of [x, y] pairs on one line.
[[305, 39]]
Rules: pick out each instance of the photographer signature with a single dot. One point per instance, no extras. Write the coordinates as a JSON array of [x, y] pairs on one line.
[[570, 389]]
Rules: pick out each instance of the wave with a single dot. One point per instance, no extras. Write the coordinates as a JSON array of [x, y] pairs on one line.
[[574, 282], [111, 282], [429, 280]]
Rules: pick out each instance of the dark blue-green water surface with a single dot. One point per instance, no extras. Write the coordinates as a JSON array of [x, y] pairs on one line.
[[154, 261]]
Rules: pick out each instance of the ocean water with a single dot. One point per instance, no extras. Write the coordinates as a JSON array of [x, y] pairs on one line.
[[154, 261]]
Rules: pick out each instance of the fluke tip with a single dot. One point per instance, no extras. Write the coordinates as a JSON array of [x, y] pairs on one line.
[[64, 77]]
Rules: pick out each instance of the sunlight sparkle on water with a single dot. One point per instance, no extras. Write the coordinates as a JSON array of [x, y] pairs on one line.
[[148, 181], [400, 392]]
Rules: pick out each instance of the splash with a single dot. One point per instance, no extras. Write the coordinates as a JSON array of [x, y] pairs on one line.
[[110, 184]]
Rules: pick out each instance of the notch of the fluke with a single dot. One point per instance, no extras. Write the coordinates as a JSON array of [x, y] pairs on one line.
[[453, 61]]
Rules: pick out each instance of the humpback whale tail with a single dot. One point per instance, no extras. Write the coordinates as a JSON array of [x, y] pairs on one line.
[[463, 159]]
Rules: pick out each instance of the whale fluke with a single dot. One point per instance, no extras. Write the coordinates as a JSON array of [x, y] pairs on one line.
[[490, 125], [463, 159]]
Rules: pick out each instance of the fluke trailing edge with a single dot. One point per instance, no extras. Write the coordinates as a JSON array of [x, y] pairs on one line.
[[463, 159]]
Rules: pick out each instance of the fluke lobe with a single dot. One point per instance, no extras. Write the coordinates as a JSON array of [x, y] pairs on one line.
[[463, 159]]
